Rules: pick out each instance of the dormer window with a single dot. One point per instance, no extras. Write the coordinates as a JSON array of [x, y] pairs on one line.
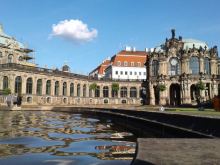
[[125, 63], [10, 58], [118, 63], [139, 64], [20, 58], [132, 63]]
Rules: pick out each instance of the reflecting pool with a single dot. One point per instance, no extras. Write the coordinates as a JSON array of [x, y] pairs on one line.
[[36, 137]]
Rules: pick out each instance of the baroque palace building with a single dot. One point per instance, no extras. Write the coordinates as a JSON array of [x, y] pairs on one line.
[[176, 67], [42, 86]]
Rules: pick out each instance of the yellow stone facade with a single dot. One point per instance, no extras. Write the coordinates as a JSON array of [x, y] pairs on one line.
[[178, 66]]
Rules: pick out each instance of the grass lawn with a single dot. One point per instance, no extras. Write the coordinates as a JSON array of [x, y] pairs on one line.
[[195, 111]]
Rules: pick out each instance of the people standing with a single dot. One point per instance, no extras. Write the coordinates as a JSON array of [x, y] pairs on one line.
[[9, 100], [19, 100]]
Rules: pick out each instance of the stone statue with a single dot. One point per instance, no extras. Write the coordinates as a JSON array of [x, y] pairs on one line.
[[173, 33]]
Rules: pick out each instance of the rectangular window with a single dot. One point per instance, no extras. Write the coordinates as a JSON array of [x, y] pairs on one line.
[[145, 73], [126, 73], [116, 72], [121, 72], [139, 73], [130, 73], [135, 73], [132, 63]]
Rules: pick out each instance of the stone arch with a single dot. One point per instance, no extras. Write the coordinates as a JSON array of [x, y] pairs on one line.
[[71, 89], [105, 91], [39, 87], [64, 88], [133, 92], [48, 87], [56, 88], [10, 58], [78, 90], [29, 85], [175, 98], [84, 90], [123, 92], [5, 82], [18, 84], [194, 92], [194, 65]]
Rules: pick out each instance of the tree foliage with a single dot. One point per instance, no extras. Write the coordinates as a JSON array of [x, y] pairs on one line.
[[6, 91], [93, 86], [162, 87], [115, 87], [200, 85]]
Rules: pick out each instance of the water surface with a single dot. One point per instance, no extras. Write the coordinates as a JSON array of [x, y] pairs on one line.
[[34, 137]]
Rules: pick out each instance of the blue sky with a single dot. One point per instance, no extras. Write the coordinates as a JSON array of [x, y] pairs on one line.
[[139, 23]]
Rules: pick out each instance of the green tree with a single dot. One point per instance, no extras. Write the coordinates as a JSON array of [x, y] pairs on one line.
[[162, 87], [200, 85], [6, 91], [115, 88], [93, 86]]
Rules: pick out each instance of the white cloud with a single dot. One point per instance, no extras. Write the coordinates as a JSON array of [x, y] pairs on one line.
[[74, 30]]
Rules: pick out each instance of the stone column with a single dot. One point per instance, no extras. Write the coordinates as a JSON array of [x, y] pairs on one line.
[[201, 65], [11, 83], [81, 90], [52, 87], [68, 88], [61, 88], [213, 66], [101, 91], [87, 90], [44, 81], [128, 92], [34, 87], [152, 98], [23, 85], [75, 89]]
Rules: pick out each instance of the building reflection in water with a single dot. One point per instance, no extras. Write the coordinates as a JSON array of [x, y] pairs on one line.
[[63, 134]]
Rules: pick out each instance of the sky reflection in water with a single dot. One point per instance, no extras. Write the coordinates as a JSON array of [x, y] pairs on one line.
[[62, 139]]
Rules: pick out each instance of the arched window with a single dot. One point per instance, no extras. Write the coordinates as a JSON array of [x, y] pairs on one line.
[[10, 58], [64, 89], [207, 66], [48, 87], [20, 58], [71, 89], [18, 84], [78, 90], [194, 65], [84, 90], [194, 92], [5, 82], [56, 88], [39, 87], [174, 68], [29, 85], [123, 92], [133, 92], [105, 91], [155, 67], [97, 91]]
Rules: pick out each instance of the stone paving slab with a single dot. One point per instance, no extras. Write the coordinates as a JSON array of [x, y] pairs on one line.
[[177, 151]]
